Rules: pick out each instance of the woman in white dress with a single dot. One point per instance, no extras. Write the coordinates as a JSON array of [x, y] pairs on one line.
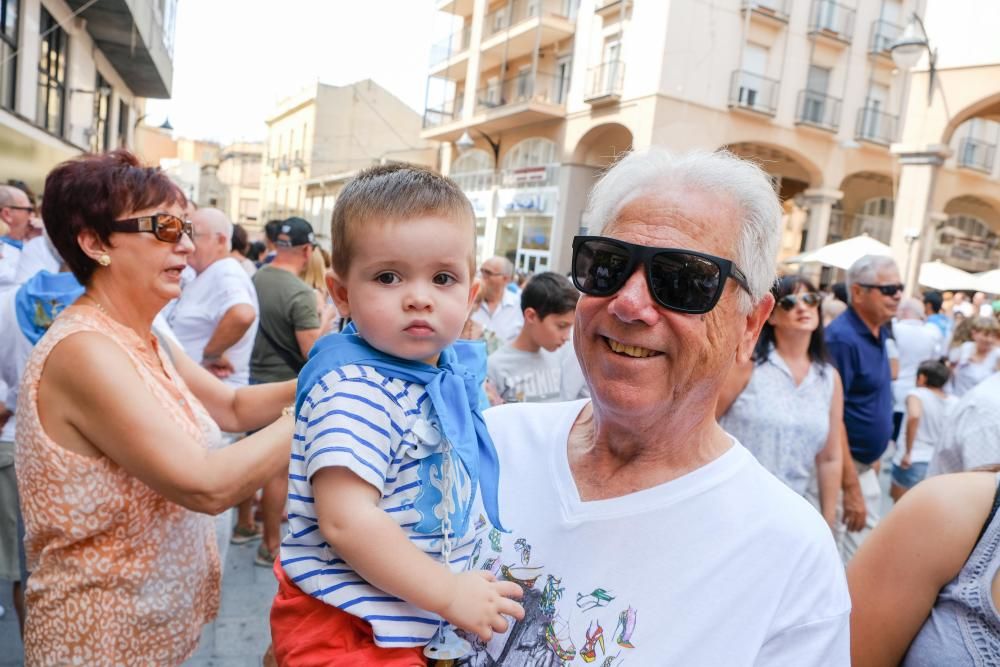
[[786, 404]]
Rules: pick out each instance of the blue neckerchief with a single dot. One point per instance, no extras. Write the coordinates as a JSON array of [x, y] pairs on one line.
[[12, 242], [41, 299], [453, 387]]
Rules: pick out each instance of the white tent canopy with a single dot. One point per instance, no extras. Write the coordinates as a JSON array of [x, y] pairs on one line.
[[988, 282], [843, 253], [940, 276]]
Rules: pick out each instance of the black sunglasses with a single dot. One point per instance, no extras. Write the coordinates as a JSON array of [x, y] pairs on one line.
[[788, 301], [681, 280], [166, 227], [887, 290], [29, 209]]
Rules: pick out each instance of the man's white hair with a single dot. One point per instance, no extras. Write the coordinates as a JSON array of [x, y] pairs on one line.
[[866, 270], [215, 221], [734, 180], [910, 309]]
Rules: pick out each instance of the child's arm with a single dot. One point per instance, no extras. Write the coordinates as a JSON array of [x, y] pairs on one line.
[[914, 409], [378, 550]]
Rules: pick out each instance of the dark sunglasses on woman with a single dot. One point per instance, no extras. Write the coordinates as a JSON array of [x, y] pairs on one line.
[[682, 280], [788, 301], [164, 226]]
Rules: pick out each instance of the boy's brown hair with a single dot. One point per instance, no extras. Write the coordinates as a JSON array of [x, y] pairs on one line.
[[390, 193]]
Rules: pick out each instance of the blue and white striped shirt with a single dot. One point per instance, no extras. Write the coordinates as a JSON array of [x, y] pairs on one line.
[[384, 430]]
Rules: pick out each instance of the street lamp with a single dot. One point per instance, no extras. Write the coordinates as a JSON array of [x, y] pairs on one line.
[[906, 51], [466, 142]]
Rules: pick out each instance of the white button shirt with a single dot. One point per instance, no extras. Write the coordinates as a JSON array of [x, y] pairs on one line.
[[506, 321]]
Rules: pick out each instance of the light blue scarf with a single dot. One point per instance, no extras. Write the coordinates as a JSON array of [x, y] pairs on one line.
[[454, 387], [41, 299]]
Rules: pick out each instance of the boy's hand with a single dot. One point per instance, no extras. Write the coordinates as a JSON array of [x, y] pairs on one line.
[[904, 463], [479, 602]]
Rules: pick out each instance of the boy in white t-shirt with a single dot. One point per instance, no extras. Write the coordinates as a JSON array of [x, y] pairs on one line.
[[390, 447], [530, 367], [927, 408]]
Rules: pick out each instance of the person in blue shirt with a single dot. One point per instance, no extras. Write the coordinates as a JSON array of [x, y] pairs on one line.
[[856, 343], [933, 302]]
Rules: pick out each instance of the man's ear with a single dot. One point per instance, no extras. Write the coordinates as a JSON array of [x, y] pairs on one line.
[[755, 320], [338, 292], [474, 289]]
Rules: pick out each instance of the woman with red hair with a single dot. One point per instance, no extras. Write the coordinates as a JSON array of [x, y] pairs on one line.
[[116, 433]]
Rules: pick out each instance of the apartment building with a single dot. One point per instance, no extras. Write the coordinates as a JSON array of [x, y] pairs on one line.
[[536, 97], [239, 173], [74, 76], [319, 138]]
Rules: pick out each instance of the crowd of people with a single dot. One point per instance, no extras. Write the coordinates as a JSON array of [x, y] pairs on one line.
[[445, 459]]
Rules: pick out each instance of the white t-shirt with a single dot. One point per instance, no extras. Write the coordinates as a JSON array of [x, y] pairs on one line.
[[723, 566], [10, 256], [934, 422], [202, 305], [969, 373], [917, 343], [972, 435], [506, 321], [37, 255], [519, 376], [14, 353]]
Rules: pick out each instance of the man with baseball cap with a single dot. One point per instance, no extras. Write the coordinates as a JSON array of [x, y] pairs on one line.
[[291, 319]]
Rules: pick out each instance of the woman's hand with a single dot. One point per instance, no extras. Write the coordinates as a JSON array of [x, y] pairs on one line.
[[479, 603]]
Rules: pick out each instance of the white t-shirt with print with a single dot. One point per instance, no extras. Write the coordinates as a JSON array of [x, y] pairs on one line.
[[931, 429], [202, 305], [723, 566]]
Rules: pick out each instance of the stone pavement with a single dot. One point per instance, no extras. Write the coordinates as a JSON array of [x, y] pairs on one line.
[[237, 638]]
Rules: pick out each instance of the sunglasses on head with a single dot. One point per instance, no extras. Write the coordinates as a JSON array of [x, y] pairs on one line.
[[164, 226], [682, 280], [788, 301], [886, 290]]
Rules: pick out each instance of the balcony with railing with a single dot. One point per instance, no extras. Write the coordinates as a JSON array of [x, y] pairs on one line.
[[456, 7], [754, 92], [604, 83], [832, 21], [882, 36], [443, 113], [775, 11], [875, 126], [471, 181], [976, 154], [450, 52], [817, 109], [514, 29]]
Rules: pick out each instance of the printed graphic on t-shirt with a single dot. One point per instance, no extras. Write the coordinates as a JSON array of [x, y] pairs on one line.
[[536, 386], [560, 627]]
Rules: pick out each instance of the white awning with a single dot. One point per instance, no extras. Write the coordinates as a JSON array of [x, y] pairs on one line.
[[843, 253]]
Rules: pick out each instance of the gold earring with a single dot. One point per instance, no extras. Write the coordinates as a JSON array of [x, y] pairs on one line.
[[104, 259]]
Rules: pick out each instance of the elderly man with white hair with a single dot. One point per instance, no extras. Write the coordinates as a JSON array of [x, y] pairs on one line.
[[857, 343], [917, 341], [17, 213], [641, 529], [500, 311]]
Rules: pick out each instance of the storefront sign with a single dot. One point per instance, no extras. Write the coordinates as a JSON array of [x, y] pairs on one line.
[[539, 202]]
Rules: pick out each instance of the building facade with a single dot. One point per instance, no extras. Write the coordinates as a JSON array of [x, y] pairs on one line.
[[239, 173], [318, 139], [74, 76], [552, 91]]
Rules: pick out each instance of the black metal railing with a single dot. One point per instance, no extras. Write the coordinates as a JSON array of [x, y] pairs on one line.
[[883, 34], [832, 18], [818, 109], [753, 91], [605, 80], [874, 125], [520, 88], [775, 8], [976, 154]]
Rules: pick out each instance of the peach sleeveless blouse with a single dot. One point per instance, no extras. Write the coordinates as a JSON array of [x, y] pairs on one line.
[[119, 574]]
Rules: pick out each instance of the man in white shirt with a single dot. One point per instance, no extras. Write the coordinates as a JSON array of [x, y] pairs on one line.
[[500, 311], [215, 317], [17, 212], [916, 342], [972, 438]]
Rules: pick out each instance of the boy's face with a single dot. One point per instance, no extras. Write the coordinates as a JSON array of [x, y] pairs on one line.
[[552, 331], [409, 287]]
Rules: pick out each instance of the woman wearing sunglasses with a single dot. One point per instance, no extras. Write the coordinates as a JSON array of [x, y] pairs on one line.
[[115, 460], [786, 405]]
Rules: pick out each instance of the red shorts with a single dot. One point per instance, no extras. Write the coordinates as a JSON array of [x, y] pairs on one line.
[[306, 632]]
